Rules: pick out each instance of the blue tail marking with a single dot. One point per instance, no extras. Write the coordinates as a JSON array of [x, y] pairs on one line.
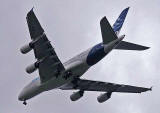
[[119, 22]]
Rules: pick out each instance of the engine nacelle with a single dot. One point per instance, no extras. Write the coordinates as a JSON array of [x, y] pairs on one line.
[[31, 68], [26, 48], [76, 95], [104, 97]]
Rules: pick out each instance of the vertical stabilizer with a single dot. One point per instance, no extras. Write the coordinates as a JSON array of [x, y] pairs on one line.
[[119, 22], [110, 34]]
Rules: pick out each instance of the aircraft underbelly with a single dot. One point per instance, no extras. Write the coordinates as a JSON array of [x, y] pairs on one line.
[[78, 69], [55, 83]]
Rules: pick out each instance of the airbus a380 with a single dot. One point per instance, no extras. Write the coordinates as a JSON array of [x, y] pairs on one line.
[[53, 74]]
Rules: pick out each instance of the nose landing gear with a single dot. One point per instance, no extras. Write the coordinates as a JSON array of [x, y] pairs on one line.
[[24, 102]]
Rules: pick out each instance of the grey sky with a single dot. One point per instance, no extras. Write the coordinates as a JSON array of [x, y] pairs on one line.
[[73, 26]]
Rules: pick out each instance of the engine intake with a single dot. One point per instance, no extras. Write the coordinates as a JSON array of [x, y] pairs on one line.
[[103, 97], [76, 95], [33, 67], [26, 48]]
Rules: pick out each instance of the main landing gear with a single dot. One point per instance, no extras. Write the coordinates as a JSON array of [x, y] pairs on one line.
[[75, 82], [67, 75]]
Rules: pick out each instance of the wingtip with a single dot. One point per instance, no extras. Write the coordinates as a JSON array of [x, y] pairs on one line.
[[32, 9], [30, 12]]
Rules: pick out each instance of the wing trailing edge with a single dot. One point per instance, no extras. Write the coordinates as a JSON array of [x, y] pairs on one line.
[[90, 85]]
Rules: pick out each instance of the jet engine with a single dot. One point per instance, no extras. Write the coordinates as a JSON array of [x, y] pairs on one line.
[[103, 97], [76, 95], [26, 48], [31, 68]]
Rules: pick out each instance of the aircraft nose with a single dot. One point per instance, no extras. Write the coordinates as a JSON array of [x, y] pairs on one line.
[[21, 96]]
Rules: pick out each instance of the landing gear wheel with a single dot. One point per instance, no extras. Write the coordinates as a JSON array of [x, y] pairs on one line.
[[25, 103]]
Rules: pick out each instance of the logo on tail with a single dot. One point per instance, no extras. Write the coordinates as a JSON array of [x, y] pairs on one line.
[[119, 22]]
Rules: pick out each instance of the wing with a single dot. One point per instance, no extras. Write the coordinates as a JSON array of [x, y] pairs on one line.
[[88, 85], [34, 26], [49, 63]]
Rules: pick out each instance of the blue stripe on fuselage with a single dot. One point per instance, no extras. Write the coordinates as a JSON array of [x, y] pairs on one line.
[[95, 54]]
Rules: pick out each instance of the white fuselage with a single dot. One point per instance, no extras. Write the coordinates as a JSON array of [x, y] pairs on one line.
[[78, 65]]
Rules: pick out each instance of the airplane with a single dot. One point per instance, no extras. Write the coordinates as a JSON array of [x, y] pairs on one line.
[[53, 74]]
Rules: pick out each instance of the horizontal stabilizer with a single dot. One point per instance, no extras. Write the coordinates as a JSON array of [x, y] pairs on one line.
[[130, 46]]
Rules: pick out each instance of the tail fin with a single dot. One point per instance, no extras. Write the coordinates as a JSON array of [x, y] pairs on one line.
[[111, 33], [119, 22]]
